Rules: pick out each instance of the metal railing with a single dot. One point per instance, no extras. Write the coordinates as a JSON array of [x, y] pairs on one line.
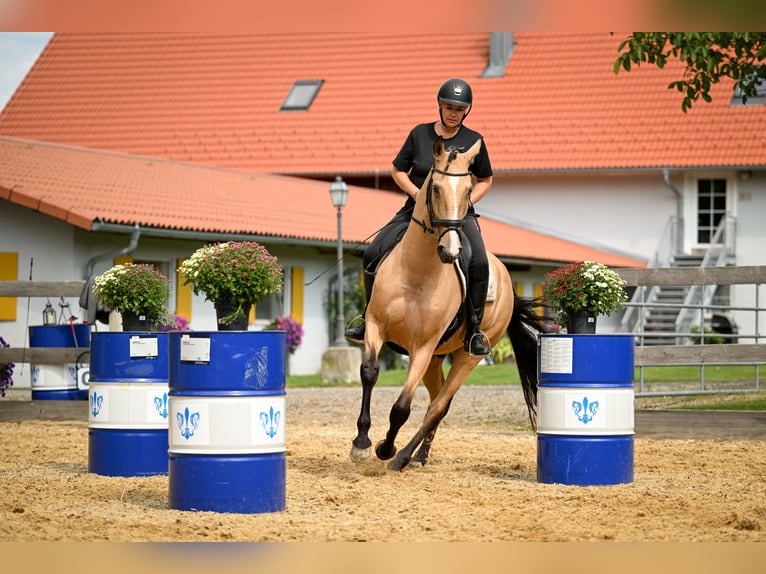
[[738, 347]]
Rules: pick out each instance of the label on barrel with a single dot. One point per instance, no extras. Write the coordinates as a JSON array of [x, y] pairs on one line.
[[556, 355], [195, 349], [143, 347]]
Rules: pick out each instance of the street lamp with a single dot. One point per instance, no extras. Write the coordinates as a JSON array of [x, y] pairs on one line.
[[338, 194]]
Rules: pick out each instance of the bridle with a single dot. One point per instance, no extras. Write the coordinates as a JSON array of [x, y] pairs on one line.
[[447, 224]]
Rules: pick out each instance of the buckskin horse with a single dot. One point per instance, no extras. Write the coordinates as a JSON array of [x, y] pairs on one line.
[[416, 308]]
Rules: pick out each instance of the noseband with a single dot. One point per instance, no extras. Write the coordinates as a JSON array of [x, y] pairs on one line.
[[448, 224]]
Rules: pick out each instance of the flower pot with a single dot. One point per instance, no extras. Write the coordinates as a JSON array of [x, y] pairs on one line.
[[581, 322], [134, 321], [223, 309]]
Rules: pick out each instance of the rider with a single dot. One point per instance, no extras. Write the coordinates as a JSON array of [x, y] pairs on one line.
[[411, 167]]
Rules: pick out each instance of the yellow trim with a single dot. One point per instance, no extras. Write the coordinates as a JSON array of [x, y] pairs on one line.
[[123, 259], [296, 301], [183, 295], [9, 271], [518, 287], [538, 294]]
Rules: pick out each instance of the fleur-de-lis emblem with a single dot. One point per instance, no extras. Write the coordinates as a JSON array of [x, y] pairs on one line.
[[270, 421], [96, 402], [585, 411], [161, 404], [187, 423], [35, 374]]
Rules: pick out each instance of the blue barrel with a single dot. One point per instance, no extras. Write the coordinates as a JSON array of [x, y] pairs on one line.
[[60, 382], [227, 421], [128, 408], [585, 400]]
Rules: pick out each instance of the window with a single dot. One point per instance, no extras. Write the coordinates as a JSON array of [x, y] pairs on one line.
[[753, 100], [711, 208], [301, 95]]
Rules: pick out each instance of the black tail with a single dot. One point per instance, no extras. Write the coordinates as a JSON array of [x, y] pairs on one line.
[[525, 325]]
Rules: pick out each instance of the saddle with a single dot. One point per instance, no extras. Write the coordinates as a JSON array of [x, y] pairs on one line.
[[461, 270]]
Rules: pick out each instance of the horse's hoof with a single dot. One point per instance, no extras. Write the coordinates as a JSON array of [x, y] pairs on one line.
[[397, 464], [383, 453], [360, 454]]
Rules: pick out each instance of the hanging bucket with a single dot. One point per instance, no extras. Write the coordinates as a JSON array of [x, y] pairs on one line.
[[227, 421], [585, 409], [60, 382], [128, 404]]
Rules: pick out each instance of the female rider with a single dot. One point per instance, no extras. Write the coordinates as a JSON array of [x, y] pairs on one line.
[[411, 167]]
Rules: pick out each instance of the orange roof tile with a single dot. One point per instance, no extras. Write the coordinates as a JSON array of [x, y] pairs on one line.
[[84, 187], [215, 99]]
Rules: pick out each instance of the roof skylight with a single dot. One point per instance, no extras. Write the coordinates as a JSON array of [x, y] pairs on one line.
[[301, 95]]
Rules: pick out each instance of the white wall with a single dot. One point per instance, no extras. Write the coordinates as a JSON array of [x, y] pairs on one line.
[[624, 213], [61, 252]]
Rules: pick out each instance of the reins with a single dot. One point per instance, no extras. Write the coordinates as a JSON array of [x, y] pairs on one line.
[[448, 224]]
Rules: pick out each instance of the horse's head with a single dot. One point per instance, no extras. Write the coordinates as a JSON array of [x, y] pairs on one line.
[[448, 196]]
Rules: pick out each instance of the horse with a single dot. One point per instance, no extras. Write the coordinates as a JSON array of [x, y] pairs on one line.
[[416, 308]]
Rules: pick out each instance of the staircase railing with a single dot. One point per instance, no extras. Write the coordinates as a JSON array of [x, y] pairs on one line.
[[633, 319], [701, 296]]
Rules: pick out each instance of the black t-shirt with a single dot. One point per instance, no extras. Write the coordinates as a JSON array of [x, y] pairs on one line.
[[417, 154]]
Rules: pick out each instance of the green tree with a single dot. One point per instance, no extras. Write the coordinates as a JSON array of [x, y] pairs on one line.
[[708, 56]]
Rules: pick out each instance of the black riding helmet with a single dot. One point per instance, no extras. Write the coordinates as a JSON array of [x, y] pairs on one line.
[[456, 92]]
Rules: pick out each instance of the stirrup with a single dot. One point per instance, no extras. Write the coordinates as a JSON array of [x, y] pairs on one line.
[[472, 344], [355, 334]]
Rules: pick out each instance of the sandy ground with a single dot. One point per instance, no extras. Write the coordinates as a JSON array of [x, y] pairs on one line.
[[480, 485]]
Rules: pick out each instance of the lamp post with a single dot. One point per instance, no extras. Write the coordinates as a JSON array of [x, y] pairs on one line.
[[338, 194]]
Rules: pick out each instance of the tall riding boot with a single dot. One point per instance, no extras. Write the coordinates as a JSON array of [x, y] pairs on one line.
[[356, 334], [476, 342]]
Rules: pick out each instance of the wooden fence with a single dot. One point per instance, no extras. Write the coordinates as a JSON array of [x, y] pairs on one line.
[[753, 353], [41, 355]]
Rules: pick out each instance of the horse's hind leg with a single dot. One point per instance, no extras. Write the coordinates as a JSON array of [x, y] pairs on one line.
[[360, 446]]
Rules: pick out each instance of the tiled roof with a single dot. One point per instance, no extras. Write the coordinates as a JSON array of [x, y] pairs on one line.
[[215, 99], [84, 186]]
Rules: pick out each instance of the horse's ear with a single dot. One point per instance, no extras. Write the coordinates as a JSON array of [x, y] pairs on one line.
[[473, 151], [438, 146]]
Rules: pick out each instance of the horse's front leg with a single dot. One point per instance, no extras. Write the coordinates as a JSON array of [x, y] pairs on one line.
[[360, 446], [433, 381], [437, 408], [400, 411]]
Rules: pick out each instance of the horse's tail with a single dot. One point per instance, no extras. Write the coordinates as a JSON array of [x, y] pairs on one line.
[[523, 330]]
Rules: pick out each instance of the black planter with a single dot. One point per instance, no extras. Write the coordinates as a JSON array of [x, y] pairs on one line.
[[134, 321], [581, 322], [223, 309]]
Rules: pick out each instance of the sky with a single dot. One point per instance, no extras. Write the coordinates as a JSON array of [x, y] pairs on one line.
[[18, 51]]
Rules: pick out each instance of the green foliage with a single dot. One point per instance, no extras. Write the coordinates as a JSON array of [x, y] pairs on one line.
[[711, 340], [502, 351], [136, 288], [236, 272], [584, 285], [708, 57]]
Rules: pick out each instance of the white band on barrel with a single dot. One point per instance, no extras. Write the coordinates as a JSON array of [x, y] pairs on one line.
[[126, 405], [227, 425], [54, 377], [585, 411]]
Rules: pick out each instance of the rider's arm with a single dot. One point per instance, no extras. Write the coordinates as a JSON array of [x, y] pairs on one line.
[[480, 189], [402, 179]]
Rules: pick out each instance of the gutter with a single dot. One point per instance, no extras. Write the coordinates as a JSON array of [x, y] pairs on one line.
[[134, 237], [210, 235]]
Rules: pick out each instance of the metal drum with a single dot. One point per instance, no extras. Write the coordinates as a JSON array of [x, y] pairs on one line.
[[60, 382], [128, 408], [585, 409], [227, 421]]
